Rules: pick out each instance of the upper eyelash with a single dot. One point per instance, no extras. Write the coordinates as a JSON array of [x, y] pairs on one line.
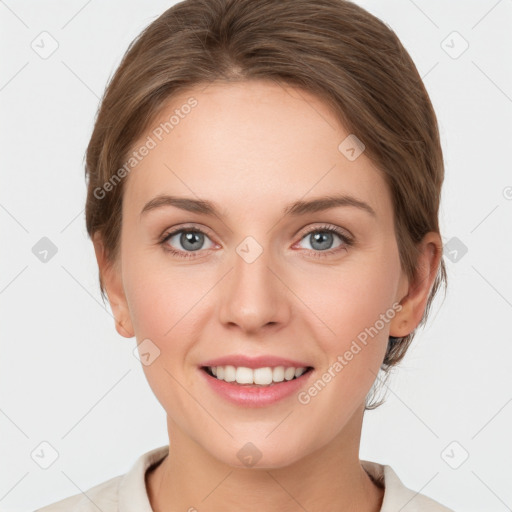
[[347, 241]]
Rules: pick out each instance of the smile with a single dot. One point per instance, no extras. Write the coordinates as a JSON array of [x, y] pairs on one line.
[[265, 376]]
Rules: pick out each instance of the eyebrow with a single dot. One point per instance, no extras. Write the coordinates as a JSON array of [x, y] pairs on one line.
[[297, 208]]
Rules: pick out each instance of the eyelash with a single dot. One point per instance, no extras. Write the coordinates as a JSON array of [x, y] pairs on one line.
[[347, 241]]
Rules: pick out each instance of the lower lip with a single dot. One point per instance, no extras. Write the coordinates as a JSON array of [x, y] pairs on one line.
[[256, 396]]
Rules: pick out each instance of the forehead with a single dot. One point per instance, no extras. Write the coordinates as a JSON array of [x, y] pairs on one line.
[[250, 145]]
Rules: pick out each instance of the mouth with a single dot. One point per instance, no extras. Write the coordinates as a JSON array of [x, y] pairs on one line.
[[256, 378]]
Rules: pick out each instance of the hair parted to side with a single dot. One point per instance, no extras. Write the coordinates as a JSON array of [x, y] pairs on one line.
[[332, 48]]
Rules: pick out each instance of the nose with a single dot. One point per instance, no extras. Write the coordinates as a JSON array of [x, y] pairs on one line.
[[254, 297]]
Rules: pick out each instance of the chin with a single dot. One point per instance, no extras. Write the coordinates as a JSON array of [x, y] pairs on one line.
[[259, 455]]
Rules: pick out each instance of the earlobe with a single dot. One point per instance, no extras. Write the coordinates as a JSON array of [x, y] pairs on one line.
[[113, 285], [414, 302], [122, 331]]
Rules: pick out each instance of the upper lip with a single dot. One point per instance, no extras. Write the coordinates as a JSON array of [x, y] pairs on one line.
[[255, 362]]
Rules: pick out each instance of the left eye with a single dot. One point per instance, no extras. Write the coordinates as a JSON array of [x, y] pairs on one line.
[[322, 239]]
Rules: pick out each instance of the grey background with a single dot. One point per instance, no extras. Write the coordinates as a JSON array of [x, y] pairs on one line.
[[68, 379]]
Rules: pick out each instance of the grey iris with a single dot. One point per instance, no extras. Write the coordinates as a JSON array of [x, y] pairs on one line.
[[195, 240], [323, 238]]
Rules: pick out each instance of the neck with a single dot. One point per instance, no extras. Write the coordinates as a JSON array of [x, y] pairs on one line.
[[330, 478]]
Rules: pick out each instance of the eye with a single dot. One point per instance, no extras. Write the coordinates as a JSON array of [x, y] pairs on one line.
[[188, 240], [321, 240], [185, 242]]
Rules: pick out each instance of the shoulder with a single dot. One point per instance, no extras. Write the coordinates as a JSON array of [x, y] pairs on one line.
[[119, 494], [103, 496], [396, 495]]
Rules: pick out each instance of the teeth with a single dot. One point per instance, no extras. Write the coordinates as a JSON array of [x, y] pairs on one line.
[[259, 376]]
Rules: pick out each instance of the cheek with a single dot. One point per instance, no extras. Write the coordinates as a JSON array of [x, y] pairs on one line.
[[356, 306], [160, 304], [151, 304], [167, 306], [355, 343], [158, 293]]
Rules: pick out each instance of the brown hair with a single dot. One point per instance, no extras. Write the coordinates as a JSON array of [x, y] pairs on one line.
[[331, 48]]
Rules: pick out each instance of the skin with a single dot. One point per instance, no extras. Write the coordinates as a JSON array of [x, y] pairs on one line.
[[253, 148]]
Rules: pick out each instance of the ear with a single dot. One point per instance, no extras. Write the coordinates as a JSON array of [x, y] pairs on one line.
[[416, 294], [113, 285]]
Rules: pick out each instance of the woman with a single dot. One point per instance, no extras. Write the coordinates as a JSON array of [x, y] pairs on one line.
[[264, 181]]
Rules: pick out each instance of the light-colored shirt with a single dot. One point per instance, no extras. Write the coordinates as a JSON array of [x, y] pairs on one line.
[[128, 493]]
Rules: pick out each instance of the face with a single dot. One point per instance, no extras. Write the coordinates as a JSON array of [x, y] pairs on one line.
[[258, 277]]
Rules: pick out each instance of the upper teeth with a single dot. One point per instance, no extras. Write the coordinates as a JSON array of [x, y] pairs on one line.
[[261, 376]]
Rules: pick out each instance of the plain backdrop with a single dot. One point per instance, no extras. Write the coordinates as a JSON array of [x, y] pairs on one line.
[[69, 380]]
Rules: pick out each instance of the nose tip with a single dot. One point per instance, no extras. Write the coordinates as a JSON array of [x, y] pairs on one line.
[[253, 296]]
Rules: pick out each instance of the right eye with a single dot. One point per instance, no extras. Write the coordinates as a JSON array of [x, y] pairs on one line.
[[190, 239]]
